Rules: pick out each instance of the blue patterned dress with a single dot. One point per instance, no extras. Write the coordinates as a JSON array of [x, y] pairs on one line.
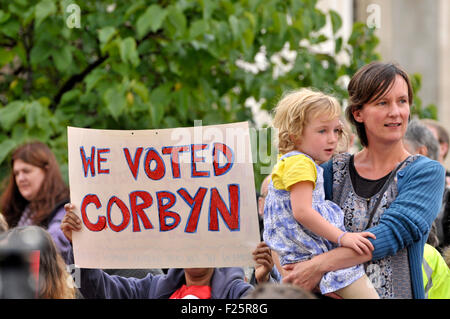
[[295, 243]]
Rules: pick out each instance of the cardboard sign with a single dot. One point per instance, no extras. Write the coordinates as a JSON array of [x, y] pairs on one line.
[[169, 198]]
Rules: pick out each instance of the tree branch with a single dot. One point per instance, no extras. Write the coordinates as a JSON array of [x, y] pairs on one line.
[[28, 45], [70, 83], [74, 79], [11, 44]]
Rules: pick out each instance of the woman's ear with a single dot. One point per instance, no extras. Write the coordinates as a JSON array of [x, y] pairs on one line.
[[357, 115]]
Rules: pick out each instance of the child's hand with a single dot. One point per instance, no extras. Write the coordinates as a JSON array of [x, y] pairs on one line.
[[70, 222], [358, 242], [264, 262]]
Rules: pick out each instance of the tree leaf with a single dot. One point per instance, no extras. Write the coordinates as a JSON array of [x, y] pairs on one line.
[[70, 96], [150, 20], [10, 114], [198, 28], [128, 52], [62, 58], [33, 114], [4, 16], [181, 100], [338, 45], [336, 21], [208, 7], [6, 147], [106, 34], [39, 53], [43, 9], [10, 28], [177, 21], [93, 78], [140, 90], [234, 25], [134, 7], [115, 100], [6, 56], [159, 100]]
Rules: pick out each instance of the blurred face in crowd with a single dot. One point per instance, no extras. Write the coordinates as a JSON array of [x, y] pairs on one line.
[[198, 276], [29, 179], [443, 147]]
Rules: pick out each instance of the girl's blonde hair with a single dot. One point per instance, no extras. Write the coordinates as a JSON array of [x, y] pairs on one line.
[[296, 109]]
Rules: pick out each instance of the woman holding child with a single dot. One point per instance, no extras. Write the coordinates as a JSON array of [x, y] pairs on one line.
[[382, 189]]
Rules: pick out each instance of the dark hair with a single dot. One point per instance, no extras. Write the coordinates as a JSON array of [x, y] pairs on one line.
[[369, 84], [53, 189]]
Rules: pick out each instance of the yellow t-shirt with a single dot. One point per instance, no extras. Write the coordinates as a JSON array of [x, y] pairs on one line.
[[293, 169]]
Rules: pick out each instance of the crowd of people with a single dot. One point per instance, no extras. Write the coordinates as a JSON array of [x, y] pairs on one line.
[[335, 223]]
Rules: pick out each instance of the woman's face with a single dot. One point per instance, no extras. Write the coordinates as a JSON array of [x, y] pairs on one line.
[[386, 119], [29, 178]]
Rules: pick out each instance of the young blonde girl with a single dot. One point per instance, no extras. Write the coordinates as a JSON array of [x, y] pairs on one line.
[[298, 222]]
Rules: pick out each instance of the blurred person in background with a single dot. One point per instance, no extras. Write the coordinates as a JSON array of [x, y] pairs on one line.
[[35, 193], [443, 219], [33, 255], [441, 134], [3, 224], [419, 139]]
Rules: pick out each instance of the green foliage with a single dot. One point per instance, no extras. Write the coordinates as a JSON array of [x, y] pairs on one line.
[[158, 64], [430, 111]]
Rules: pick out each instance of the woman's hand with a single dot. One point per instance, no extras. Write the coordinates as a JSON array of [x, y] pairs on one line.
[[70, 222], [305, 274], [264, 262]]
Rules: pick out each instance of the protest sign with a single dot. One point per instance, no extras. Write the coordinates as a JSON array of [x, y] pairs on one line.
[[168, 198]]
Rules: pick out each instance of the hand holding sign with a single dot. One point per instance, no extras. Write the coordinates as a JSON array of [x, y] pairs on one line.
[[70, 222], [147, 200]]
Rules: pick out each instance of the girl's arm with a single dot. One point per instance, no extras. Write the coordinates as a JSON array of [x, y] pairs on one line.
[[301, 201], [308, 274]]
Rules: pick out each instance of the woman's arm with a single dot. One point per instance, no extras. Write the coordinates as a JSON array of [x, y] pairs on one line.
[[408, 219], [54, 229], [308, 274]]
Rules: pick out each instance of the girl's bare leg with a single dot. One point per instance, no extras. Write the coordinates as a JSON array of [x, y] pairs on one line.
[[359, 289]]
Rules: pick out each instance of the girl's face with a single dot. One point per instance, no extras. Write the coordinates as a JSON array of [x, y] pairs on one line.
[[29, 178], [386, 119], [319, 138]]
